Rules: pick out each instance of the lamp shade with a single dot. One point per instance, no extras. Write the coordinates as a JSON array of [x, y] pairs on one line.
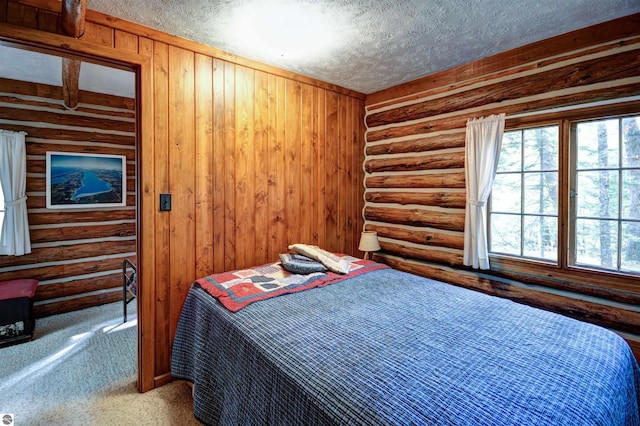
[[369, 241]]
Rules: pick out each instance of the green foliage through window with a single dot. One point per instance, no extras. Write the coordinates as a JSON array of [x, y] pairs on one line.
[[603, 194], [524, 200], [606, 189]]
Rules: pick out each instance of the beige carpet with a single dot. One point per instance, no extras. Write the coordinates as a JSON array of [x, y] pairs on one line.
[[80, 369]]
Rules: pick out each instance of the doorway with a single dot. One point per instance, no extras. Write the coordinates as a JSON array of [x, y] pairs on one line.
[[77, 250]]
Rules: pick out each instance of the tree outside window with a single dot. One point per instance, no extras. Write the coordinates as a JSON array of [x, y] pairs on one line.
[[524, 200], [606, 189], [602, 205]]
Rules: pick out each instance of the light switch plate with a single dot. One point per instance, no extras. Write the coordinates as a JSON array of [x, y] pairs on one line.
[[165, 202]]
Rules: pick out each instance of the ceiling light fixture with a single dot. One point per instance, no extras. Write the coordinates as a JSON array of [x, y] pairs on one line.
[[284, 29]]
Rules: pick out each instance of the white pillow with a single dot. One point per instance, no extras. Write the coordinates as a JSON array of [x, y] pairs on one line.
[[330, 260]]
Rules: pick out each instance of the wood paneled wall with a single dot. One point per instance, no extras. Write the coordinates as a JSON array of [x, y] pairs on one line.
[[76, 253], [415, 139], [255, 158], [254, 162]]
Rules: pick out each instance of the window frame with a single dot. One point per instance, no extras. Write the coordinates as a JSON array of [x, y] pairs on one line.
[[551, 273], [522, 215]]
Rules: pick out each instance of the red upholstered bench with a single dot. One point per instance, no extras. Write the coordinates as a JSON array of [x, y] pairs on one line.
[[16, 311]]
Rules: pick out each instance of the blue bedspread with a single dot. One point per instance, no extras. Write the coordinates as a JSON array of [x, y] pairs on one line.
[[390, 348]]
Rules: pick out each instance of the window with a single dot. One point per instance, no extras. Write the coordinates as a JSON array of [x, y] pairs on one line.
[[567, 193], [605, 194], [524, 200]]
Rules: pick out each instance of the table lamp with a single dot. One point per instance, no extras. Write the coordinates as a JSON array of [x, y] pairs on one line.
[[369, 242]]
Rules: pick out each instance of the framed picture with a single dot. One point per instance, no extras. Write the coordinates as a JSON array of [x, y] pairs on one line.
[[85, 180]]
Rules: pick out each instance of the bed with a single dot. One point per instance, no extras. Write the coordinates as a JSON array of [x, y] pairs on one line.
[[377, 346]]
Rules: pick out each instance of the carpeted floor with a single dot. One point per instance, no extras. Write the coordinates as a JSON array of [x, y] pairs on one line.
[[80, 369]]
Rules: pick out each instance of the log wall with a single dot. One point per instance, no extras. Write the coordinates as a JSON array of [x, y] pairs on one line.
[[76, 253], [255, 158], [415, 181]]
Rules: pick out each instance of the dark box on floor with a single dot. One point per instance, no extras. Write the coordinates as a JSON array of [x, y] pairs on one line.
[[16, 311]]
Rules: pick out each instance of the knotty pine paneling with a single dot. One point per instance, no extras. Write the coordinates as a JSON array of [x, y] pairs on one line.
[[161, 253], [414, 165], [182, 231], [255, 157], [204, 162], [245, 172], [261, 169], [76, 253]]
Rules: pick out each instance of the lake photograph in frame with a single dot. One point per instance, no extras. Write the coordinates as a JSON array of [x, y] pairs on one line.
[[77, 180]]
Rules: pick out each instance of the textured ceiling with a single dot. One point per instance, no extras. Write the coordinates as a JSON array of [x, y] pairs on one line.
[[367, 45], [363, 45]]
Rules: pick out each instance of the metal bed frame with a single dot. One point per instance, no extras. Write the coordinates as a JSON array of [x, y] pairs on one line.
[[129, 284]]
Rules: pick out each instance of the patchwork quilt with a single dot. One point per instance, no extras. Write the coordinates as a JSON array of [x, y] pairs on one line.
[[237, 289]]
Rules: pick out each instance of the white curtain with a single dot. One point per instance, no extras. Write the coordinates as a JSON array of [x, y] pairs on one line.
[[483, 141], [14, 236]]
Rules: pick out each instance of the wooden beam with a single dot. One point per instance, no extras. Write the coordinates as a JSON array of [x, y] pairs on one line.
[[451, 221], [70, 82], [449, 160], [73, 13], [426, 237], [456, 200], [434, 180], [420, 144]]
